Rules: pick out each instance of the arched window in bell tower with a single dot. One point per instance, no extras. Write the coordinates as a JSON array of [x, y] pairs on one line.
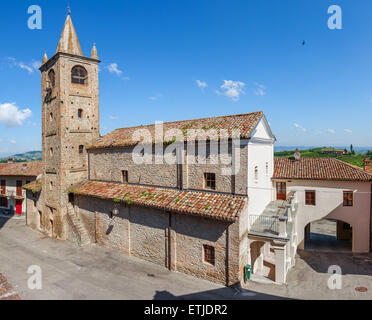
[[52, 78], [79, 75]]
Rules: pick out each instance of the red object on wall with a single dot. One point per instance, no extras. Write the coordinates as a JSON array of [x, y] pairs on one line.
[[19, 207]]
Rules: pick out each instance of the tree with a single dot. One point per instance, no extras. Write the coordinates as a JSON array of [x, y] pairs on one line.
[[352, 149]]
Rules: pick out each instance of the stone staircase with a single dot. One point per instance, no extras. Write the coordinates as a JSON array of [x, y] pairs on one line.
[[77, 227]]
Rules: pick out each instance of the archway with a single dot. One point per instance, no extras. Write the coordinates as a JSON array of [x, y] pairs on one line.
[[329, 235]]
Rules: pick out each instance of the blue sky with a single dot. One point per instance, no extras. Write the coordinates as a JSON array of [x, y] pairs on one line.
[[169, 60]]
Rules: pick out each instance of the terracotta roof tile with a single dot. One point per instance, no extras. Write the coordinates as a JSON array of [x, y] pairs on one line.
[[216, 206], [25, 169], [34, 186], [245, 123], [318, 169]]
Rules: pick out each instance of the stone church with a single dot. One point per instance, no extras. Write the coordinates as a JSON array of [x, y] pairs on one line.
[[187, 216]]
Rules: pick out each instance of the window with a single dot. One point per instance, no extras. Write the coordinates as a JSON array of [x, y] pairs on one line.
[[51, 152], [80, 113], [124, 176], [267, 169], [79, 75], [310, 198], [51, 116], [210, 180], [3, 186], [52, 78], [348, 198], [19, 187], [256, 174], [209, 255], [81, 149], [4, 202]]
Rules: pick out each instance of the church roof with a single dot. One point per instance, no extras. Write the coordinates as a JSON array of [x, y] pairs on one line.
[[318, 169], [244, 123], [69, 42], [209, 205]]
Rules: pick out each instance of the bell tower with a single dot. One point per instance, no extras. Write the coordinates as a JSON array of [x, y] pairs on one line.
[[70, 122]]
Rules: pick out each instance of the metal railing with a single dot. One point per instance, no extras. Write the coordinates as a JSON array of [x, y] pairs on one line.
[[264, 224]]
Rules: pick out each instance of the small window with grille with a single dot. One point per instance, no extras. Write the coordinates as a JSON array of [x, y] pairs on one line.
[[348, 198], [209, 255], [310, 198], [210, 181]]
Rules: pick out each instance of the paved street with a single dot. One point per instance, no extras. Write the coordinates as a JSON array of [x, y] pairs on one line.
[[92, 272]]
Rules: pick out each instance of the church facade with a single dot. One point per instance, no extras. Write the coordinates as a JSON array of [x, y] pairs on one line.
[[188, 216], [204, 197]]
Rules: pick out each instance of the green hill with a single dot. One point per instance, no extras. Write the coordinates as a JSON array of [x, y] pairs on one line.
[[24, 157], [352, 158]]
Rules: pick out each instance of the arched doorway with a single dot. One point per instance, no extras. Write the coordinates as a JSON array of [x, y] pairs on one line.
[[262, 259], [329, 235]]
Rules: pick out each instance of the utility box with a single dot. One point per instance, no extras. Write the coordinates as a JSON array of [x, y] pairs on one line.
[[248, 272]]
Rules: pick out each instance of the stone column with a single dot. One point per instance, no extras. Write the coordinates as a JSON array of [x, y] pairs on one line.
[[280, 263]]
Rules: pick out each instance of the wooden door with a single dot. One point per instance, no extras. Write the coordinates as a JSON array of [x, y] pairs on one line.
[[281, 191], [19, 188]]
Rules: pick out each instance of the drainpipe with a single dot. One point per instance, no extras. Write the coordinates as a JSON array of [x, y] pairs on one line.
[[169, 231]]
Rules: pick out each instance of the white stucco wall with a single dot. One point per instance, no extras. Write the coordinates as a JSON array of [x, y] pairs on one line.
[[260, 153], [11, 186], [329, 204]]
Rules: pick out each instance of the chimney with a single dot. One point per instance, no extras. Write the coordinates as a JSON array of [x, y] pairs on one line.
[[10, 160], [297, 155], [367, 164]]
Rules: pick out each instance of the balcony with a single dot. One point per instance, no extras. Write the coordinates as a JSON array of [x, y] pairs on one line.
[[276, 220], [13, 195]]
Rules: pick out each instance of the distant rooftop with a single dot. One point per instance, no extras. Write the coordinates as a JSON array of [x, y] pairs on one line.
[[318, 169]]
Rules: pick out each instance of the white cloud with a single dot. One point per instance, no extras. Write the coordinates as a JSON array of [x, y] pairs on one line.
[[113, 118], [260, 90], [201, 84], [299, 127], [12, 116], [30, 68], [114, 68], [13, 141], [156, 97], [36, 64], [348, 130], [331, 131], [233, 89]]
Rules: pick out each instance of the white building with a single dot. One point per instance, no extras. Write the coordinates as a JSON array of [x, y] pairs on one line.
[[303, 191], [13, 176]]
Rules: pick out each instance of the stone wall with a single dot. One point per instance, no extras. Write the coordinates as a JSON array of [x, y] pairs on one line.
[[63, 131], [108, 164], [172, 240]]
